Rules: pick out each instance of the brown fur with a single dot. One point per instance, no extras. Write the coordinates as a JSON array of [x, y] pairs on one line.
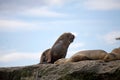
[[59, 49], [114, 55], [67, 60], [88, 55], [61, 61], [116, 50], [43, 58]]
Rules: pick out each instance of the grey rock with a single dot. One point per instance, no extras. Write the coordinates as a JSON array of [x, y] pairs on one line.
[[83, 70]]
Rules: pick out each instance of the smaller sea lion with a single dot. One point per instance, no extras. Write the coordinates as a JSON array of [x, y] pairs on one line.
[[44, 57]]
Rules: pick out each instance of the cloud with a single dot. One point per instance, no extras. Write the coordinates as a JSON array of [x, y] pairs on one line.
[[18, 56], [42, 12], [15, 25], [110, 37], [55, 2], [18, 25], [31, 3], [102, 4], [13, 6], [31, 8], [8, 6]]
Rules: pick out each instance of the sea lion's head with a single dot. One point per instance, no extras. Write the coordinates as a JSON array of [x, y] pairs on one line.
[[116, 50], [109, 57], [67, 37], [70, 37]]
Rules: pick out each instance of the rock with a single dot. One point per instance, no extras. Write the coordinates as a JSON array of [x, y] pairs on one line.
[[83, 70]]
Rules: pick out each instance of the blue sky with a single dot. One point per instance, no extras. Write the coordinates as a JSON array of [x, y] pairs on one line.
[[28, 27]]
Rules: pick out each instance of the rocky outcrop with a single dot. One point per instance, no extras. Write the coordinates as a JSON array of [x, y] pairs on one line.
[[83, 70]]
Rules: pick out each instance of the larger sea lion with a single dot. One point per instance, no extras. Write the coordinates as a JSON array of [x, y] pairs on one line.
[[58, 50], [84, 55], [88, 55]]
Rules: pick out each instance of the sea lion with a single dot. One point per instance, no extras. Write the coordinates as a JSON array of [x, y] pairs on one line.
[[116, 50], [43, 58], [59, 49], [88, 55], [114, 55]]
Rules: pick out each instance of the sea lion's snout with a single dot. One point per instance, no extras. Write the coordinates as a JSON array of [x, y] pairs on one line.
[[71, 38]]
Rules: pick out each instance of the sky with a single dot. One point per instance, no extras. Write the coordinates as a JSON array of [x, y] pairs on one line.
[[28, 27]]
